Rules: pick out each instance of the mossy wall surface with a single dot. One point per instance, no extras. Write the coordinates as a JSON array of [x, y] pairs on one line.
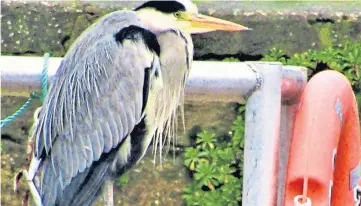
[[36, 28]]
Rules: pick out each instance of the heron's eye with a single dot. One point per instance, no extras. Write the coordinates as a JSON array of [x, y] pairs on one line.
[[177, 14]]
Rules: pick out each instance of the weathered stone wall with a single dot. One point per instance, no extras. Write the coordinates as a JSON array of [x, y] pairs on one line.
[[35, 28]]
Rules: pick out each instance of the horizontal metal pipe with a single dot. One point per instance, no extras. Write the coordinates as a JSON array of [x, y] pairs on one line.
[[22, 75], [220, 81], [208, 80]]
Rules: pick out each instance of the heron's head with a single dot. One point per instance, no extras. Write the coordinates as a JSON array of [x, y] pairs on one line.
[[182, 15]]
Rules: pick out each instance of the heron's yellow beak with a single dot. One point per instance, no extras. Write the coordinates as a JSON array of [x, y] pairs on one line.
[[201, 23]]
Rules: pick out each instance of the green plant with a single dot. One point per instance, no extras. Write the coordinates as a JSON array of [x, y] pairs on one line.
[[276, 54], [122, 181], [230, 59], [206, 140], [344, 58], [192, 157], [216, 166]]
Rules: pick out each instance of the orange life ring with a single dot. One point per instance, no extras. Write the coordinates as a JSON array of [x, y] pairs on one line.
[[325, 148]]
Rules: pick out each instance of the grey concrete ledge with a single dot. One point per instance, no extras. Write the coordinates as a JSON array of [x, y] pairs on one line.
[[30, 27]]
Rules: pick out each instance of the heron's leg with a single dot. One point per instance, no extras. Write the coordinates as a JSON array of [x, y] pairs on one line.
[[30, 152], [26, 165], [24, 202], [108, 195], [33, 190]]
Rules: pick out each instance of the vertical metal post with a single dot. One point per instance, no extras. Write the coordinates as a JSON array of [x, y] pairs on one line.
[[262, 136], [288, 113], [294, 81]]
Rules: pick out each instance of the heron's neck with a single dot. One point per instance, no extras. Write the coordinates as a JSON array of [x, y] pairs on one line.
[[155, 22]]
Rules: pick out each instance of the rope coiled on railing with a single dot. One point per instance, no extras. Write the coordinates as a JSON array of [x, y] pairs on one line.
[[33, 95]]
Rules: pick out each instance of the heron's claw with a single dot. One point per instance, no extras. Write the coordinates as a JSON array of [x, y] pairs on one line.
[[17, 180], [26, 165], [24, 202]]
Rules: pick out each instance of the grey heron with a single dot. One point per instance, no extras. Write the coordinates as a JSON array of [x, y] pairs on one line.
[[117, 88]]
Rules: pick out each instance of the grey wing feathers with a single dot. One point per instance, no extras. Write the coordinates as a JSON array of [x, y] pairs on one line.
[[92, 106]]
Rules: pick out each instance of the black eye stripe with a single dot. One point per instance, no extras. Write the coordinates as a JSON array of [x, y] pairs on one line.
[[163, 6]]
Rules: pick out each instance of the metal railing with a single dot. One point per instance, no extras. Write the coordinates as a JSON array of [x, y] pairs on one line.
[[271, 93]]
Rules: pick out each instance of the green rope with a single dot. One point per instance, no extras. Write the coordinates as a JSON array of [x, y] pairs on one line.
[[33, 95], [44, 77]]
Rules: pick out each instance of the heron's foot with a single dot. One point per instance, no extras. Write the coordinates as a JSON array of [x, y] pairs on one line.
[[26, 165], [17, 178], [24, 202]]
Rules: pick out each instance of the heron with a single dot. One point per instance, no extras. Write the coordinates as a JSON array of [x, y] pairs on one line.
[[117, 89]]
